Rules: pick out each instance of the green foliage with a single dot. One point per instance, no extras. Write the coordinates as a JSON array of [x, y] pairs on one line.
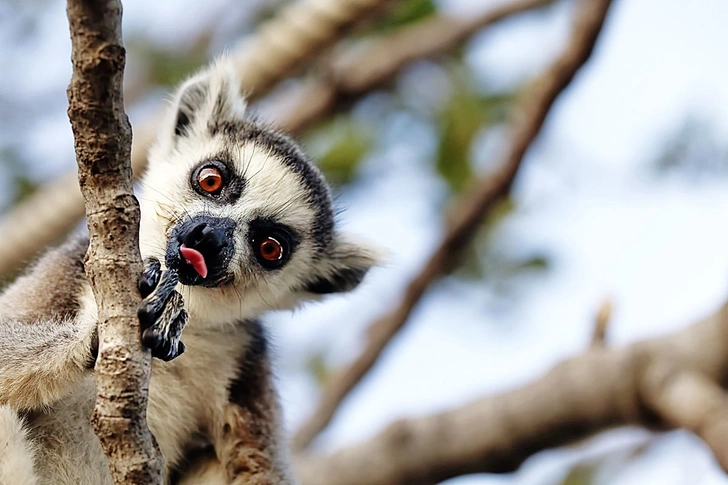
[[581, 475], [472, 264], [268, 10], [167, 68], [466, 114], [484, 261], [502, 209], [316, 366], [504, 270], [338, 145], [24, 187], [406, 12], [21, 184], [594, 469], [460, 122]]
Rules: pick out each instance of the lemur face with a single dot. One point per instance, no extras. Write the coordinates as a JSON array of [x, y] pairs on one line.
[[238, 209]]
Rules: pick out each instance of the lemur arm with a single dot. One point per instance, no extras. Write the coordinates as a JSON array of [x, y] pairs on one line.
[[46, 341], [40, 362], [249, 442], [48, 326]]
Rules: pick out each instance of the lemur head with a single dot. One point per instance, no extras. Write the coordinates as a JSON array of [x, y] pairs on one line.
[[239, 210]]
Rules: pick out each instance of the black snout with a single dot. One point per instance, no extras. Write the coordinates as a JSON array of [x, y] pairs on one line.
[[204, 237], [212, 237]]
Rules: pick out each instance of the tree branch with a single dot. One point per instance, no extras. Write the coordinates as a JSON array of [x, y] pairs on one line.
[[687, 399], [601, 389], [300, 30], [102, 136], [356, 71], [468, 212]]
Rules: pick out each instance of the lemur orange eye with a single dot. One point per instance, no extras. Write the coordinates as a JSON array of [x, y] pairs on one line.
[[270, 249], [210, 180], [272, 243]]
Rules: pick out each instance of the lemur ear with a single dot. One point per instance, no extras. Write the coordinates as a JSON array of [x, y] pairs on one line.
[[345, 268], [191, 98], [210, 97]]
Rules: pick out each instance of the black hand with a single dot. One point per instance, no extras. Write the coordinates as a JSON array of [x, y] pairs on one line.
[[162, 316]]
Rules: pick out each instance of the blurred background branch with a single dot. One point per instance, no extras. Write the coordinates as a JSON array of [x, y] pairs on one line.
[[357, 71], [579, 397], [467, 213]]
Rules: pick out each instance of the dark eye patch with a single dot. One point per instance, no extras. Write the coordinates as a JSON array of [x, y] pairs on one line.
[[285, 149], [271, 242]]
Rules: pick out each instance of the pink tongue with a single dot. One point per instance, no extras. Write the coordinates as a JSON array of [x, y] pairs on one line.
[[194, 258]]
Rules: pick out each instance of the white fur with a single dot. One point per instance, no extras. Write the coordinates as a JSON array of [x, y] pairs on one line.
[[272, 190], [16, 451]]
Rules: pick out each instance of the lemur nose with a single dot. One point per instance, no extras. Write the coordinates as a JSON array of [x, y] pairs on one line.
[[203, 236]]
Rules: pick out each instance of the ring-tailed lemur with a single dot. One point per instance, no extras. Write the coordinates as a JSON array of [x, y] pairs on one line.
[[235, 222]]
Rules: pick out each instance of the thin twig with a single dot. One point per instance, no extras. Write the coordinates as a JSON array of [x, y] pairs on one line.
[[468, 214], [102, 136], [601, 323]]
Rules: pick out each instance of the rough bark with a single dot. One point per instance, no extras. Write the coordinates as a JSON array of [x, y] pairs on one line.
[[102, 140], [665, 383], [468, 212]]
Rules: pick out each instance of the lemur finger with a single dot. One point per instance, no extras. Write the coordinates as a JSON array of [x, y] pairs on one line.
[[149, 278], [153, 305], [166, 351], [163, 327], [164, 336], [169, 353]]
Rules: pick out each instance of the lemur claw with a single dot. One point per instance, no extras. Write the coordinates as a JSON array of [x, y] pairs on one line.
[[161, 314], [150, 276]]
